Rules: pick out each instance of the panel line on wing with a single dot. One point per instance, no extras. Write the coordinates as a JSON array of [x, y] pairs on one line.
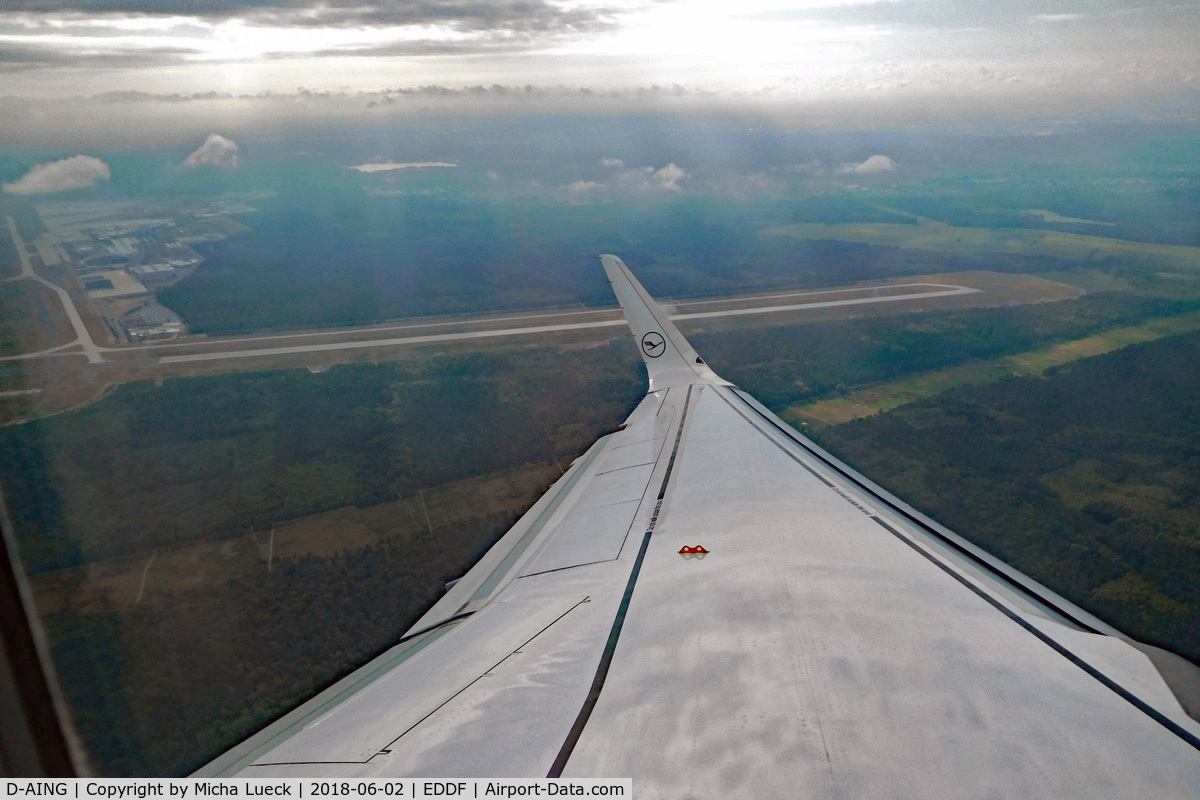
[[504, 567], [518, 649], [244, 755], [1054, 608], [1120, 690], [639, 441], [387, 747], [597, 526], [571, 566], [627, 466], [610, 647]]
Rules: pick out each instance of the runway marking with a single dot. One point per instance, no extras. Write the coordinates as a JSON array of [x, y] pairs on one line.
[[433, 338], [842, 290], [828, 303], [367, 329]]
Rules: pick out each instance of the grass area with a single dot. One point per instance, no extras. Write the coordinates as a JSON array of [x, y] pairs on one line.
[[1050, 216], [10, 259], [893, 394], [1143, 283], [797, 364], [31, 318], [1092, 280], [940, 237]]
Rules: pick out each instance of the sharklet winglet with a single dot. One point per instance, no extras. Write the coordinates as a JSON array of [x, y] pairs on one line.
[[669, 359]]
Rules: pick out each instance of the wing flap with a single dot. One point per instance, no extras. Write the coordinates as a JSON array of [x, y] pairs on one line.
[[367, 723], [586, 537]]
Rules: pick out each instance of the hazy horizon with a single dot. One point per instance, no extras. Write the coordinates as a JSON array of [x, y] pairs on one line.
[[133, 74]]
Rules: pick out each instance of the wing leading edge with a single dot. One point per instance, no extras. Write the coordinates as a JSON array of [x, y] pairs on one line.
[[831, 641]]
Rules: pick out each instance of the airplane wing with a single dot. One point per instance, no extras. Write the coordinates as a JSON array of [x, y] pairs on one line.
[[709, 603]]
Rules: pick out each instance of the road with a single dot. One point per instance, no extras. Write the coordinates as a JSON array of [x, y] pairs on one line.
[[83, 337]]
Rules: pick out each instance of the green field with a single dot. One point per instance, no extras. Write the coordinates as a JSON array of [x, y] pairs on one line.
[[893, 394], [1050, 216], [31, 318], [938, 237]]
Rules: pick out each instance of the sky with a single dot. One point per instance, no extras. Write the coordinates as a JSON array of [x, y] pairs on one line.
[[68, 66]]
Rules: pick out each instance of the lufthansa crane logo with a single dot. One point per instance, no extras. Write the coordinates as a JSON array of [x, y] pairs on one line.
[[653, 344]]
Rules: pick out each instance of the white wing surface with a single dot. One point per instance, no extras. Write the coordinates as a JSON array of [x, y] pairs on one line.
[[815, 638]]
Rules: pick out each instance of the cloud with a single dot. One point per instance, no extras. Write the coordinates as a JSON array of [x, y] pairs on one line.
[[873, 165], [1058, 17], [584, 187], [59, 176], [954, 14], [33, 52], [135, 96], [814, 167], [669, 176], [612, 162], [143, 34], [216, 151], [534, 16], [639, 180]]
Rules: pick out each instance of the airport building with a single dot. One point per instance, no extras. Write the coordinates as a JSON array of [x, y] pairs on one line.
[[152, 320]]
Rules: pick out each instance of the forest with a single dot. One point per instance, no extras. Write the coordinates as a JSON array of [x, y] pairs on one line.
[[163, 688], [156, 465], [1088, 480], [788, 364], [152, 466], [401, 256]]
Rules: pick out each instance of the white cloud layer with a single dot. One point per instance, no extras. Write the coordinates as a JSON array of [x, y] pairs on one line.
[[216, 151], [1058, 17], [59, 176], [669, 177], [878, 62], [872, 166], [640, 180]]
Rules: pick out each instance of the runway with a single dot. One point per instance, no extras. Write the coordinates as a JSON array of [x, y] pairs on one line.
[[940, 290]]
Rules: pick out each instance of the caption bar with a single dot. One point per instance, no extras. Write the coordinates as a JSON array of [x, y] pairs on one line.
[[192, 788]]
